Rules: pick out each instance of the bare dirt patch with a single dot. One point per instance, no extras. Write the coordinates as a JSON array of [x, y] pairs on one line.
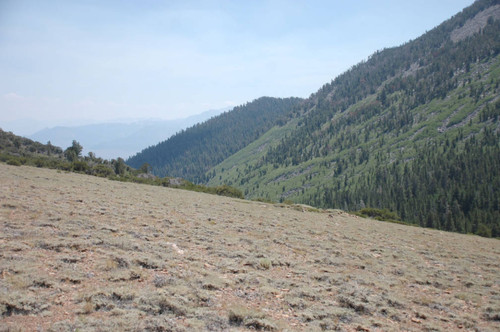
[[85, 253]]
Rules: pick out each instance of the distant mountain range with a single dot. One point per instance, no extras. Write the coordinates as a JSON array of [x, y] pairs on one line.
[[414, 129], [113, 140]]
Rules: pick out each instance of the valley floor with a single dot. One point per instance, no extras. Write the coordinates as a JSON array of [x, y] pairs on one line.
[[81, 252]]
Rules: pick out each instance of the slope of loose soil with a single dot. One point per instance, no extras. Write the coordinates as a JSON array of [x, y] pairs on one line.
[[81, 252]]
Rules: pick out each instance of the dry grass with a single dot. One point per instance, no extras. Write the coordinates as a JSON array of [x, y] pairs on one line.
[[88, 254]]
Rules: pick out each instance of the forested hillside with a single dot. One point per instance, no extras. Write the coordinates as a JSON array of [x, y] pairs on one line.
[[11, 144], [192, 152], [414, 129]]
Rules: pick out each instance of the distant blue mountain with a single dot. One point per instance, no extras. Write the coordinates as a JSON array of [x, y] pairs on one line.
[[113, 140]]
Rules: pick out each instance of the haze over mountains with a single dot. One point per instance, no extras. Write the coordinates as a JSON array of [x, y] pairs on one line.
[[414, 129], [119, 139]]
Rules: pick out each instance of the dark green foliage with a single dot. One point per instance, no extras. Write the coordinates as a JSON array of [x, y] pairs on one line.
[[13, 162], [485, 231], [226, 190], [379, 214], [119, 166], [80, 166], [73, 152], [442, 187], [192, 152], [102, 171]]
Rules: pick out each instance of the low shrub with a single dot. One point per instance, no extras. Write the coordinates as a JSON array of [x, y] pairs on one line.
[[14, 162], [228, 191], [80, 166], [379, 214]]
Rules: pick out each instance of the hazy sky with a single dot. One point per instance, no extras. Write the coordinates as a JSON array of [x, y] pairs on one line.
[[80, 61]]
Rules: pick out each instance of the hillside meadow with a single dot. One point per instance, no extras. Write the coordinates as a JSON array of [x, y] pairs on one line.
[[84, 253]]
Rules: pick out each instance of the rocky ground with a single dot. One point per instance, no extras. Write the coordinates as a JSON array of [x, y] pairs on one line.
[[88, 254]]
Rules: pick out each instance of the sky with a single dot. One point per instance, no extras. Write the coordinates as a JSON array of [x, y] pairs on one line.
[[78, 62]]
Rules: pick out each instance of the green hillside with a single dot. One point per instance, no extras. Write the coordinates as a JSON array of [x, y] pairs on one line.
[[414, 129], [192, 152], [11, 144]]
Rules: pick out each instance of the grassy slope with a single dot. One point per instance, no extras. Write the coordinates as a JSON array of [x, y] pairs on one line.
[[236, 165], [297, 182], [86, 253]]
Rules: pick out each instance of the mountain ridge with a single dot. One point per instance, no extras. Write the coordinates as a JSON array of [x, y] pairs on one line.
[[192, 152], [111, 140]]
